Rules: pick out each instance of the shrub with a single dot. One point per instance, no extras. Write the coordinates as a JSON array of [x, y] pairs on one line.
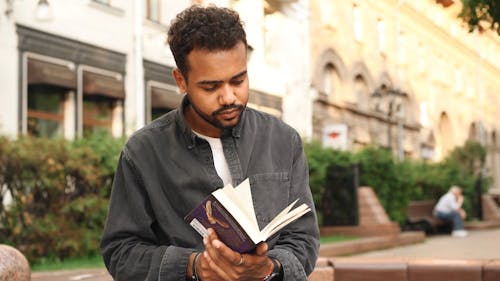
[[466, 166], [59, 194], [320, 159], [398, 183], [390, 180], [60, 189]]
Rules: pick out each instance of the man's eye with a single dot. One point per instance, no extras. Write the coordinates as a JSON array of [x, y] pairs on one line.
[[237, 82], [210, 89]]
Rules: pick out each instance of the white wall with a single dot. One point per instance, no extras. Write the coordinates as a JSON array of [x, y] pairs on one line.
[[292, 53], [279, 71], [111, 28], [84, 21], [8, 74]]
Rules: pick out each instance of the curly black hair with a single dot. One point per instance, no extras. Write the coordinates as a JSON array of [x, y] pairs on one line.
[[210, 28]]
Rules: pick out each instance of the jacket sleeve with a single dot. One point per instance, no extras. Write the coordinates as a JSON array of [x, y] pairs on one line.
[[129, 247], [298, 244]]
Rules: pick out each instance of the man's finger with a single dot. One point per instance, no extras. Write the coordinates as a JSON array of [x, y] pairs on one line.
[[210, 249], [229, 256], [219, 251], [214, 267], [261, 249]]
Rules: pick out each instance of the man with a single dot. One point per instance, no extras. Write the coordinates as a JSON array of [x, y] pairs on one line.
[[167, 168], [449, 208]]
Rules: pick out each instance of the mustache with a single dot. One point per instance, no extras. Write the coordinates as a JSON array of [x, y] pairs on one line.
[[228, 107]]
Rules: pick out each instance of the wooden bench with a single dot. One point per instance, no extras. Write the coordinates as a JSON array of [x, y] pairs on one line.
[[419, 216]]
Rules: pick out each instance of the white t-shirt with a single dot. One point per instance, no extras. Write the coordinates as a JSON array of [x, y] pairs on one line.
[[447, 203], [220, 161]]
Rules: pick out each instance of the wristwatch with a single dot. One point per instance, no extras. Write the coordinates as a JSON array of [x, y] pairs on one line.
[[276, 271]]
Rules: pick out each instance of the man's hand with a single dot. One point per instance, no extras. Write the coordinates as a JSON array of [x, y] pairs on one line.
[[219, 262], [462, 213]]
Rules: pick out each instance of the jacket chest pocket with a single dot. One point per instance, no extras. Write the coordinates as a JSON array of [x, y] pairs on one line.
[[270, 195]]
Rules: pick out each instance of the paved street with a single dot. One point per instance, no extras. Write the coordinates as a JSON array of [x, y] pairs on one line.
[[480, 244], [73, 275]]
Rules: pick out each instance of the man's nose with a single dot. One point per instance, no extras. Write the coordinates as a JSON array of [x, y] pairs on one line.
[[227, 95]]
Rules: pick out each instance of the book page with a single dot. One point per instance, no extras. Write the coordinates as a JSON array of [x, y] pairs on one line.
[[284, 218], [230, 211], [242, 197], [232, 203], [244, 192]]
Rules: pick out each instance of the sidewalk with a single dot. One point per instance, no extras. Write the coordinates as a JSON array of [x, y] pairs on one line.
[[73, 275], [480, 244]]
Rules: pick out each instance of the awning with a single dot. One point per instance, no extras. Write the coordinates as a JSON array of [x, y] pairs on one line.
[[264, 99], [165, 98], [41, 72], [104, 85]]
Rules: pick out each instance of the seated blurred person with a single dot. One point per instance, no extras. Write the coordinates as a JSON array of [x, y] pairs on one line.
[[449, 208]]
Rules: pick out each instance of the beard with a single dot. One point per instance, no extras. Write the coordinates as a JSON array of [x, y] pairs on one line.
[[212, 118]]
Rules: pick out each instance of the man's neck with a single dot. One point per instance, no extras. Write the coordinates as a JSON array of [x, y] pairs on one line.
[[200, 125]]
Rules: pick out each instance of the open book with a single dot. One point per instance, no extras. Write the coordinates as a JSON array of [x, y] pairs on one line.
[[230, 212]]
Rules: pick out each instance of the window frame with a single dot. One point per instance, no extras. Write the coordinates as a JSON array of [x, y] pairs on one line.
[[150, 84], [48, 116], [148, 13], [26, 113], [81, 70], [103, 2], [93, 122], [357, 23], [382, 37]]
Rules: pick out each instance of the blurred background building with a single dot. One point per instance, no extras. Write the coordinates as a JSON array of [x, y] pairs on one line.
[[406, 75]]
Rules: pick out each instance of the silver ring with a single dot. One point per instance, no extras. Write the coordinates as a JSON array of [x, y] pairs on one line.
[[241, 260]]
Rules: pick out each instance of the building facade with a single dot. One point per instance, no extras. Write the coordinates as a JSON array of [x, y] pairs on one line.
[[70, 68], [406, 75]]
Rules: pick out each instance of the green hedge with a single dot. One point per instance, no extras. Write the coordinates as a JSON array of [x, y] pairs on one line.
[[398, 183], [390, 180], [320, 159], [60, 189], [60, 194]]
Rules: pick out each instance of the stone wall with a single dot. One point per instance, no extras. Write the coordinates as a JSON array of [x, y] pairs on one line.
[[13, 265]]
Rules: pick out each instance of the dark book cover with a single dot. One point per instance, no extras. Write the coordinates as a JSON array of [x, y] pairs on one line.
[[212, 214]]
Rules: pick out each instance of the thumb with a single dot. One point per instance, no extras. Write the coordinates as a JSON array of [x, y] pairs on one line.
[[261, 249]]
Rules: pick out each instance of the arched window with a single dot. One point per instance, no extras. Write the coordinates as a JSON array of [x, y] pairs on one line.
[[446, 134], [473, 133], [361, 92], [330, 80]]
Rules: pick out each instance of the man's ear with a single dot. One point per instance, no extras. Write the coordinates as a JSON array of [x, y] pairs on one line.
[[179, 80]]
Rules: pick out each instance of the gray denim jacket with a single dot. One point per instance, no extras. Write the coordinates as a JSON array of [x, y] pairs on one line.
[[165, 170]]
